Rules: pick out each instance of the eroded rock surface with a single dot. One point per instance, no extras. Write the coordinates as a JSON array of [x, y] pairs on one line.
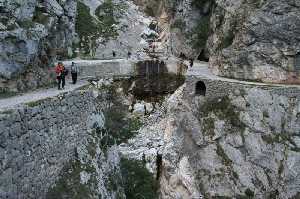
[[257, 40], [33, 35], [244, 144]]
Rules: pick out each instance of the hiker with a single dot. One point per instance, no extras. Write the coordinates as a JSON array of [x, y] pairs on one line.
[[74, 72], [191, 63], [114, 53], [128, 55], [61, 73]]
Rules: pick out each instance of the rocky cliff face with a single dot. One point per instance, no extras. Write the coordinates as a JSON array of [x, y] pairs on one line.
[[241, 145], [257, 40], [33, 35], [115, 25], [66, 146]]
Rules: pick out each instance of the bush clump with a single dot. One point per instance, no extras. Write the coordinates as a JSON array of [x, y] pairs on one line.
[[138, 182]]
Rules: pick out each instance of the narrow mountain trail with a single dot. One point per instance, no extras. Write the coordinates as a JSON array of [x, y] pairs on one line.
[[40, 94], [200, 69]]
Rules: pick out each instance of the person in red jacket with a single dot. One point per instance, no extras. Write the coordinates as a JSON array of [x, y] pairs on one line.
[[59, 70]]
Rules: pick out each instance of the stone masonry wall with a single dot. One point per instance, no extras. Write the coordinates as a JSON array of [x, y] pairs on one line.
[[37, 139], [219, 88], [116, 67]]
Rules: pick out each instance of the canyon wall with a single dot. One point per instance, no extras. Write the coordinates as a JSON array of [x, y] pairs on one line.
[[256, 40], [33, 35], [253, 40], [39, 138], [115, 25], [218, 139], [66, 146]]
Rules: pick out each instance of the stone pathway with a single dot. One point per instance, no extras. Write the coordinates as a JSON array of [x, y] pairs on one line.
[[200, 69], [11, 102]]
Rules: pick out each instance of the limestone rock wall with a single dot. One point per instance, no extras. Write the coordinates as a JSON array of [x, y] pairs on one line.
[[253, 40], [33, 35], [257, 40], [237, 141], [115, 25], [52, 141]]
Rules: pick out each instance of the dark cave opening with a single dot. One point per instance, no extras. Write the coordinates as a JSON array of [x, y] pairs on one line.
[[202, 56], [200, 88]]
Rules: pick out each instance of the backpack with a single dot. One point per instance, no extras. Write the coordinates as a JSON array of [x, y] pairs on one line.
[[66, 72]]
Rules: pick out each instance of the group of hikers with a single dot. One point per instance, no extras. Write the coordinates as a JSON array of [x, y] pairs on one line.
[[61, 73]]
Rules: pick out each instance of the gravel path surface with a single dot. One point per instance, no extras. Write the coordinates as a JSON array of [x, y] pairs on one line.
[[11, 102], [200, 69]]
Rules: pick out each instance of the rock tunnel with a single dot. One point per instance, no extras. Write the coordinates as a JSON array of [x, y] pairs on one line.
[[200, 88]]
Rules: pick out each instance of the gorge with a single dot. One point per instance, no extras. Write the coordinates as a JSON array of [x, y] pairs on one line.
[[185, 99]]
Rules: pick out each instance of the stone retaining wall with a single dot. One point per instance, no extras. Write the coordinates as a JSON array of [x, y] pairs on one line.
[[116, 67], [219, 88], [37, 139]]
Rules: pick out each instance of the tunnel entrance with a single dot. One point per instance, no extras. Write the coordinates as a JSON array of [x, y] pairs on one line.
[[203, 57], [200, 88]]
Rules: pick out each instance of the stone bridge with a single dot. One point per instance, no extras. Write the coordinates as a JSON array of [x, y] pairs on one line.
[[124, 67]]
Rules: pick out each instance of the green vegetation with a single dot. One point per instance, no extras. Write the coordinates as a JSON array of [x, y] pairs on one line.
[[138, 182], [179, 23], [225, 159], [200, 3], [224, 110], [39, 16], [228, 39], [90, 28], [37, 102], [283, 137], [118, 126], [209, 126], [7, 112], [152, 7], [27, 24], [249, 193], [69, 186], [118, 129], [7, 93], [199, 35]]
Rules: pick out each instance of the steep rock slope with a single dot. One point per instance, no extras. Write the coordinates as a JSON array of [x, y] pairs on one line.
[[241, 145], [257, 40], [115, 25], [33, 35], [183, 23]]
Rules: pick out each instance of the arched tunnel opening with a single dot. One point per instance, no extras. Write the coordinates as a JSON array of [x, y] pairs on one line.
[[200, 88], [203, 57]]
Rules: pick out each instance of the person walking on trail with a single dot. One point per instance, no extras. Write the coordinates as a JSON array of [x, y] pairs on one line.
[[114, 53], [74, 72], [128, 55], [58, 71], [191, 63], [61, 73]]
